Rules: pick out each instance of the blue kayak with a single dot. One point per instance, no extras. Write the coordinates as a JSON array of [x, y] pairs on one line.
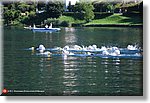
[[46, 29]]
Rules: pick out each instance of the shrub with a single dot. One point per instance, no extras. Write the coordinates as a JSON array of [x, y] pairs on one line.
[[132, 14], [99, 15], [65, 23]]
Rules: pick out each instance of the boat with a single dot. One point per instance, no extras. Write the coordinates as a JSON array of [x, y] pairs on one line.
[[46, 29]]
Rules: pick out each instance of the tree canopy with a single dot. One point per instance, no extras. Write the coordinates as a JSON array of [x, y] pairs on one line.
[[86, 9], [54, 9], [38, 12]]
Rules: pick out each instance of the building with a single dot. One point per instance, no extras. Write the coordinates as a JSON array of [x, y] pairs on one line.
[[72, 2]]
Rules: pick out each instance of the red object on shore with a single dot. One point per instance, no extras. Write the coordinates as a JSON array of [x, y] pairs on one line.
[[5, 91]]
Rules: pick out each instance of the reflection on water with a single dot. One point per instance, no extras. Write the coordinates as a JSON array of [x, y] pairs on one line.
[[84, 75], [70, 36], [23, 70], [109, 75], [74, 77], [70, 76]]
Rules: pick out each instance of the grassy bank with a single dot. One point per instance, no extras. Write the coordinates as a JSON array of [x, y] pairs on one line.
[[70, 20], [113, 20], [117, 19]]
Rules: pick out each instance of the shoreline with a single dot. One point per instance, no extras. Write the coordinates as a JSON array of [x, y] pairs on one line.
[[89, 25], [114, 25]]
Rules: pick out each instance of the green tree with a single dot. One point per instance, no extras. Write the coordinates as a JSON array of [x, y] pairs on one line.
[[54, 9], [16, 14], [8, 15], [110, 7], [69, 7], [23, 7], [11, 15], [79, 7], [89, 14], [25, 20], [12, 12], [32, 7], [86, 9]]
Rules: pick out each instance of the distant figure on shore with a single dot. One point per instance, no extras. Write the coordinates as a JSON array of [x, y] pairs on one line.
[[50, 25], [46, 26], [34, 26], [120, 11]]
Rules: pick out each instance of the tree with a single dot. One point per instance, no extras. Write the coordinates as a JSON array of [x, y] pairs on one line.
[[11, 15], [32, 8], [110, 7], [69, 6], [79, 7], [16, 14], [41, 5], [54, 9], [89, 14], [86, 9], [98, 6], [8, 15], [23, 7]]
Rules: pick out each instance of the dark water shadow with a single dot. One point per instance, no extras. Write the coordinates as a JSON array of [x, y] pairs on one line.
[[133, 19], [103, 98]]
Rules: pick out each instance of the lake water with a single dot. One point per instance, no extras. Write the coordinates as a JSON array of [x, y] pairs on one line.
[[24, 71]]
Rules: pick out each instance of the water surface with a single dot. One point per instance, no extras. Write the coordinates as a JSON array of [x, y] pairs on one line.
[[23, 70]]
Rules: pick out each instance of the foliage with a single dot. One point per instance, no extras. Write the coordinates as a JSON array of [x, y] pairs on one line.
[[89, 14], [116, 6], [26, 12], [23, 7], [100, 15], [41, 6], [54, 9], [100, 6], [36, 13], [8, 15], [70, 7], [11, 15], [110, 7], [25, 20], [86, 9]]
